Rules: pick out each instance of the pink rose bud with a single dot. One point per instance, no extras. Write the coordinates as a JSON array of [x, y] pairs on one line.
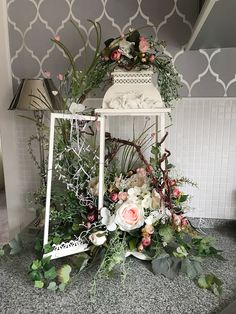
[[143, 44], [122, 196], [153, 135], [149, 229], [91, 217], [115, 55], [184, 222], [146, 241], [141, 172], [176, 192], [172, 182], [47, 74], [152, 58], [60, 77], [88, 225], [114, 197], [57, 38], [177, 219]]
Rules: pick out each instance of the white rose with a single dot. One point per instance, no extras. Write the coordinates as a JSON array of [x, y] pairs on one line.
[[98, 238], [129, 216]]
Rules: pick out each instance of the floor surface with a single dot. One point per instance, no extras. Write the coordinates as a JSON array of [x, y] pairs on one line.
[[143, 292]]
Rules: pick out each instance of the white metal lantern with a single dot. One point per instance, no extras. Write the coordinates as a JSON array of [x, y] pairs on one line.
[[133, 93], [133, 90]]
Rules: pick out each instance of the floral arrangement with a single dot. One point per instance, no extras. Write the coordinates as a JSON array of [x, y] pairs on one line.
[[132, 51], [144, 213]]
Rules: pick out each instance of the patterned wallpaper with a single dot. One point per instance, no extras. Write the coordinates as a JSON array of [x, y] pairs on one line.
[[206, 73]]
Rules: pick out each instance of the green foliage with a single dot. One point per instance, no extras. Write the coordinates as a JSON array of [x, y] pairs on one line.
[[44, 274], [166, 232], [167, 265], [210, 282], [192, 268], [38, 284], [2, 252]]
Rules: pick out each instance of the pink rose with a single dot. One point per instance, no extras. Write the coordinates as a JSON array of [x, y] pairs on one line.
[[122, 196], [146, 241], [141, 172], [114, 197], [176, 192], [152, 58], [143, 44], [129, 216], [115, 55]]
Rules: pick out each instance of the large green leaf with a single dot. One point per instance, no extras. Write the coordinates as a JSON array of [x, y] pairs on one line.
[[191, 268], [166, 265], [166, 232]]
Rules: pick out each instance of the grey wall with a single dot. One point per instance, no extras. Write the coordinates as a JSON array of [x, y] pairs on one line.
[[33, 22]]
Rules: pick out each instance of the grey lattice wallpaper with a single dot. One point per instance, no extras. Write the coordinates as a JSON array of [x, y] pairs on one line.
[[33, 22]]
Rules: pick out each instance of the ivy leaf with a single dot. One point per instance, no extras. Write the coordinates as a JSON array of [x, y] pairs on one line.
[[38, 245], [183, 198], [210, 282], [166, 265], [51, 273], [64, 274], [36, 264], [166, 232], [35, 275], [62, 287], [38, 284], [16, 245], [47, 248], [52, 286]]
